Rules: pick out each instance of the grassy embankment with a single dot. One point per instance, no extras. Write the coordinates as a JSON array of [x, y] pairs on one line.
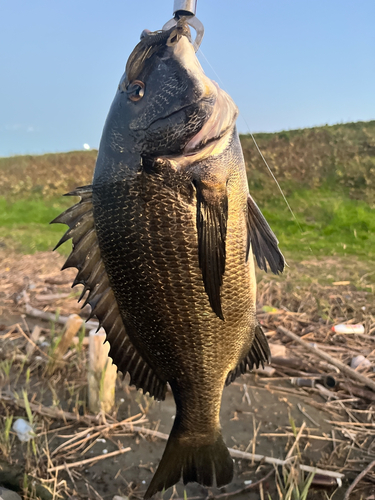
[[327, 174]]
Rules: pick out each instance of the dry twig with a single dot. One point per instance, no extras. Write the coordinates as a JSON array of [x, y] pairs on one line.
[[88, 460], [344, 368], [358, 479]]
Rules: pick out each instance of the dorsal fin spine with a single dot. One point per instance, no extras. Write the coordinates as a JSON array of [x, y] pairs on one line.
[[86, 258]]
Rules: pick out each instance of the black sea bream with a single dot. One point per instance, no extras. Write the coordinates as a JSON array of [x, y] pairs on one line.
[[164, 242]]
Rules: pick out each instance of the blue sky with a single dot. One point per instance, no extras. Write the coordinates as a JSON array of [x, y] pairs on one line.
[[286, 63]]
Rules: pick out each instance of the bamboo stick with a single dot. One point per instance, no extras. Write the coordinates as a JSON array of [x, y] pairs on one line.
[[344, 368], [102, 374]]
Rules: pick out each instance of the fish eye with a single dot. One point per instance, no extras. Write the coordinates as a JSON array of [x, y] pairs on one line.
[[136, 90]]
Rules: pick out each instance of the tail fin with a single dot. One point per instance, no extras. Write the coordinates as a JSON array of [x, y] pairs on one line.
[[194, 463]]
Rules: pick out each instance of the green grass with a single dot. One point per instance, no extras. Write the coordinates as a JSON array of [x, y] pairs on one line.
[[24, 224], [330, 224], [327, 174]]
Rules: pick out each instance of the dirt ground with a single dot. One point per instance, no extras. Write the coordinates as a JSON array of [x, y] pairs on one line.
[[262, 413]]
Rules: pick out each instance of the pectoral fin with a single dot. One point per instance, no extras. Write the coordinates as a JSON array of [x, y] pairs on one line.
[[212, 215], [264, 243]]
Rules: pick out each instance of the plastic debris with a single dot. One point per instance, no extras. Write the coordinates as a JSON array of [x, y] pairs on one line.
[[348, 328], [270, 310], [359, 362], [24, 430]]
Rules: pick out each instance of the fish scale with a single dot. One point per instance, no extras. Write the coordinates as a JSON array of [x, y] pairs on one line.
[[160, 221], [163, 243]]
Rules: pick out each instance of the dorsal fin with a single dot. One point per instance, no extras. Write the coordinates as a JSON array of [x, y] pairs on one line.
[[86, 257], [259, 354], [264, 243]]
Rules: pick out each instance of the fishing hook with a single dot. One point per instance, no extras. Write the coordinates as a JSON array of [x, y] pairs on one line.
[[187, 9]]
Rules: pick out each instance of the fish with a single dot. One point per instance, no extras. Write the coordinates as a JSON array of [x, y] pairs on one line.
[[163, 241]]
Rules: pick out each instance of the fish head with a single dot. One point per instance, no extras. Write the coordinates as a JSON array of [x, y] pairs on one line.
[[164, 99]]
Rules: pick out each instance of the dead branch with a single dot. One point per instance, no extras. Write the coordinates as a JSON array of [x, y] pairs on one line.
[[89, 460], [344, 368], [278, 461], [357, 391], [358, 479], [61, 320], [54, 413]]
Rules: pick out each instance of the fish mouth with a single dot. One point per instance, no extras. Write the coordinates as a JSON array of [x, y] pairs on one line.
[[150, 44], [198, 109]]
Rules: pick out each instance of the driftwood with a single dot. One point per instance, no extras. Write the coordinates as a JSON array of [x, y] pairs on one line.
[[344, 368], [72, 327], [61, 320], [277, 350]]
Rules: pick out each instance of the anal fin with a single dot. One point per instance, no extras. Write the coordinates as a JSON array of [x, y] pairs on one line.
[[86, 257], [259, 354]]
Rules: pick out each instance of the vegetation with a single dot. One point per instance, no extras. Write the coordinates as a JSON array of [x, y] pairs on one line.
[[327, 174], [327, 223], [25, 225], [338, 157]]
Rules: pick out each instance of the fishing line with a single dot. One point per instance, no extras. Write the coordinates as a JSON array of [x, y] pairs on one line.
[[261, 155], [257, 147]]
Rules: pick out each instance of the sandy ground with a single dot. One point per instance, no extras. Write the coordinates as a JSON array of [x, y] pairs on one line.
[[257, 411]]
